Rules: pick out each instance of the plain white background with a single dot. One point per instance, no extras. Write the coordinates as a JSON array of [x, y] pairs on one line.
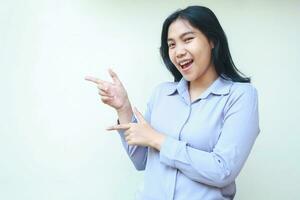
[[53, 143]]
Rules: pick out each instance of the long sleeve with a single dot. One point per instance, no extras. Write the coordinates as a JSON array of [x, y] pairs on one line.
[[221, 166], [138, 154]]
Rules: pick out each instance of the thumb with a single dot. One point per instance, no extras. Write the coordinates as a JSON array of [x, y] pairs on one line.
[[113, 75], [139, 116]]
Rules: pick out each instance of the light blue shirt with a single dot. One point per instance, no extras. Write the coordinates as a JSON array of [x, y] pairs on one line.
[[208, 140]]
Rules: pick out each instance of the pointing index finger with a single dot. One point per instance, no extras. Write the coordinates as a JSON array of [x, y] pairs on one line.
[[93, 79], [119, 127]]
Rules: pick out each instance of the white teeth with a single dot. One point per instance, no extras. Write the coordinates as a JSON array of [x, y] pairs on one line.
[[184, 62]]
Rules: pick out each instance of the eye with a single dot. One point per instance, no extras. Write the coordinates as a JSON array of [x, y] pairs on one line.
[[171, 45], [188, 39]]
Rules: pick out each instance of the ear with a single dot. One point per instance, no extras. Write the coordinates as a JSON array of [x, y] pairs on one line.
[[211, 43]]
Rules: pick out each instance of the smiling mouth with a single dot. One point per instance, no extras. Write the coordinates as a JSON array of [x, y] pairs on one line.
[[186, 64]]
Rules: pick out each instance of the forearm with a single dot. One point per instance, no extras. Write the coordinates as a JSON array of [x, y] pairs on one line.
[[137, 154], [125, 113], [210, 168]]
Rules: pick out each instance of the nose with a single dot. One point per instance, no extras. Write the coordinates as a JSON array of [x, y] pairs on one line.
[[180, 51]]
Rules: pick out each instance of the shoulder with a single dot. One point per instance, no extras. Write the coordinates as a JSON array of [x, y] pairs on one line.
[[241, 89], [241, 94], [162, 89], [165, 88]]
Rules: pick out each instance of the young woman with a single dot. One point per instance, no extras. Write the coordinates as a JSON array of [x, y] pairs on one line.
[[198, 130]]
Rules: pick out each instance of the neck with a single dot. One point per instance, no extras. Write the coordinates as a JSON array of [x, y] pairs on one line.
[[203, 82]]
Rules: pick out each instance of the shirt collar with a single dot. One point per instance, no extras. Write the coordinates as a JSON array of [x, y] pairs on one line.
[[219, 87]]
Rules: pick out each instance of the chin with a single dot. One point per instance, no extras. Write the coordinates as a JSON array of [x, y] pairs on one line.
[[189, 77]]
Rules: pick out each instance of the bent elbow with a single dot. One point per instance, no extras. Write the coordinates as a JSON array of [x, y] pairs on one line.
[[139, 163], [224, 179], [224, 183], [138, 157], [139, 167]]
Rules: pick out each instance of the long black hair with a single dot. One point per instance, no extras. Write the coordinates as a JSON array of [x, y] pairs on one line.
[[205, 20]]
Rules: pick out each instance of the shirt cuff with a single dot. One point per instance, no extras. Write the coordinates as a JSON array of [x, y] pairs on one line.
[[170, 151]]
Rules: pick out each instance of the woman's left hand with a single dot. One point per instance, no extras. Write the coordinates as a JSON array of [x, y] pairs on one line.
[[140, 133]]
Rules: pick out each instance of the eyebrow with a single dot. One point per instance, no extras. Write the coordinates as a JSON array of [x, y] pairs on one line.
[[182, 35]]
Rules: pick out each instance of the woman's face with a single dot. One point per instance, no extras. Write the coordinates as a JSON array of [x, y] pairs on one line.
[[190, 51]]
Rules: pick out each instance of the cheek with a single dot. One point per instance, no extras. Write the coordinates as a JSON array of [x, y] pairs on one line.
[[208, 55], [172, 57], [203, 54]]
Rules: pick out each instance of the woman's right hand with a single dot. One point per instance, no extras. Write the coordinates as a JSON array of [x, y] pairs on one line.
[[112, 94]]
